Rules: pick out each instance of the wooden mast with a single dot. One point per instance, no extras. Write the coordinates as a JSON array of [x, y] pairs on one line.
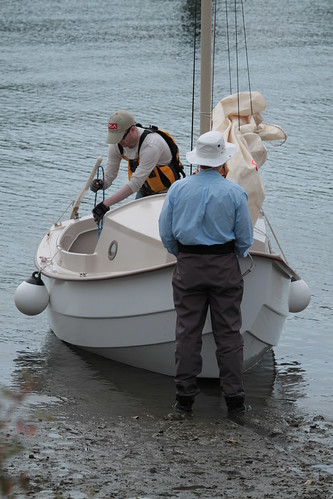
[[206, 70]]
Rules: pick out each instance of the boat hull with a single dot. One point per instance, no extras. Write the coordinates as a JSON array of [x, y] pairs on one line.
[[132, 319]]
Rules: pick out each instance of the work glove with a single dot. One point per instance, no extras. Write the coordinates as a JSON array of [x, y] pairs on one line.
[[99, 212], [96, 185]]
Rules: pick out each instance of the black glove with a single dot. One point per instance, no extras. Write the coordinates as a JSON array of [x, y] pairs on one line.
[[96, 185], [99, 211]]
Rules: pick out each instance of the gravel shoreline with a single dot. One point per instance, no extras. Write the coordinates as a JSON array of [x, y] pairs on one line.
[[77, 453]]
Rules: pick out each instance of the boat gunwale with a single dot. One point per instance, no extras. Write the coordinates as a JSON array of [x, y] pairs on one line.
[[106, 276]]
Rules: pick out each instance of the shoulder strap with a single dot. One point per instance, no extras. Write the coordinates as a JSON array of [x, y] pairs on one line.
[[171, 143], [175, 162], [177, 165], [143, 136]]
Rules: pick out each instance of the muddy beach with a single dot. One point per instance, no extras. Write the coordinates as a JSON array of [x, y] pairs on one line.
[[111, 432]]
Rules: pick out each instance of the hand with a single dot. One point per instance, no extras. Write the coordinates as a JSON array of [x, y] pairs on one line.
[[96, 185], [99, 212]]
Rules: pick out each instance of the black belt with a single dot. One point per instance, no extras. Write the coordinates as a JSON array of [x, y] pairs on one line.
[[203, 249]]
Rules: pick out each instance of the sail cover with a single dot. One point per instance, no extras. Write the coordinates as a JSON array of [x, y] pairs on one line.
[[238, 118]]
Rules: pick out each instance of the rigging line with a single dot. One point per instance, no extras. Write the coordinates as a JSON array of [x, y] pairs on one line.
[[47, 262], [237, 65], [274, 235], [247, 58], [213, 63], [228, 44], [63, 213], [193, 74]]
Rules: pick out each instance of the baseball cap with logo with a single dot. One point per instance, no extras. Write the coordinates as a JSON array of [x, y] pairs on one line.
[[118, 124]]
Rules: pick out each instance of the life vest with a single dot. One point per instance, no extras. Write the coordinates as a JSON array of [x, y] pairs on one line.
[[162, 176]]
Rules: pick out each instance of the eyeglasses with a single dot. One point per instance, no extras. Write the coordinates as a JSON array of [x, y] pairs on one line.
[[126, 133]]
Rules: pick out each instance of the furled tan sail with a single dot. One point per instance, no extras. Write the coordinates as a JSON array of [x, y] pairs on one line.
[[239, 118]]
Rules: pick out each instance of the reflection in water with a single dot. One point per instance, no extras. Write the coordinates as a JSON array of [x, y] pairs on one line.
[[290, 382], [92, 385]]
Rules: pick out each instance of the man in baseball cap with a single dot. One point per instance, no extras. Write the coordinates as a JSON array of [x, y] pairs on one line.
[[152, 156]]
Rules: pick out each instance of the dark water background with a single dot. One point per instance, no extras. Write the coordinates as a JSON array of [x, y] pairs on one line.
[[65, 66]]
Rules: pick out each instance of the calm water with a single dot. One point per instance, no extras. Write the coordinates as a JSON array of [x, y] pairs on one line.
[[65, 66]]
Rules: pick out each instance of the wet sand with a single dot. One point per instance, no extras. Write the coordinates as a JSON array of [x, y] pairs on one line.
[[84, 455], [107, 442]]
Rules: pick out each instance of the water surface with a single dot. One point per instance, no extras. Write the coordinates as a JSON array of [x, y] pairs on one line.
[[65, 67]]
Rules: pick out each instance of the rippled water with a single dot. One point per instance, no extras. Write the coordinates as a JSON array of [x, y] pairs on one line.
[[66, 65]]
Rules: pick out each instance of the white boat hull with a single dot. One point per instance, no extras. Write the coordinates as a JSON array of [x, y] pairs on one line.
[[129, 316], [145, 337]]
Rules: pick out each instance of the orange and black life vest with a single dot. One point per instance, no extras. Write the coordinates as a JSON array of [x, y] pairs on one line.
[[162, 176]]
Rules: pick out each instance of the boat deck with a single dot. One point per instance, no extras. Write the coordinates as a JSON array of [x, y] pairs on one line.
[[129, 243]]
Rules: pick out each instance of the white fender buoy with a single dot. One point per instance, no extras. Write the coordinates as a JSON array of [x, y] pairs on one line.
[[31, 296], [299, 295]]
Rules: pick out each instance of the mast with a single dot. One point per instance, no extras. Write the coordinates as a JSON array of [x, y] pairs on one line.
[[206, 69]]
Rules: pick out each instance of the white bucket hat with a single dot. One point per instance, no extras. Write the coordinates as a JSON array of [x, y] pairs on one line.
[[211, 150]]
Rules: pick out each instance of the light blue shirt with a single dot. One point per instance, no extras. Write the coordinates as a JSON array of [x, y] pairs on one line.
[[206, 208]]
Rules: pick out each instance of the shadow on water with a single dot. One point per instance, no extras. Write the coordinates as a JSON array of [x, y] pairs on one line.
[[89, 385]]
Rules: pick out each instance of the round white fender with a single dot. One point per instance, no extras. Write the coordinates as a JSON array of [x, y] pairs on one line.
[[31, 296], [299, 296]]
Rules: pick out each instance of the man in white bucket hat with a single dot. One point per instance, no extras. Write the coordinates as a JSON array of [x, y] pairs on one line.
[[205, 222]]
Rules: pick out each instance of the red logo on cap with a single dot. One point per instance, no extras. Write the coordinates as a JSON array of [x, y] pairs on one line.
[[112, 126]]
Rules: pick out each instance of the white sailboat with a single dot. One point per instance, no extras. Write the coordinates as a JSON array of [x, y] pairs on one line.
[[110, 292]]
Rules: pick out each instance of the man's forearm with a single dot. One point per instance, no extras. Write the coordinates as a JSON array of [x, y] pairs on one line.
[[118, 196]]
